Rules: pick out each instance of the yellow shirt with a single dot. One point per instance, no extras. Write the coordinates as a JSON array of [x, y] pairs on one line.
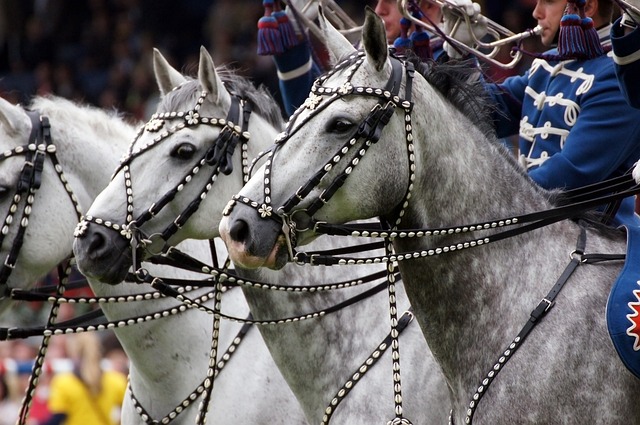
[[70, 396]]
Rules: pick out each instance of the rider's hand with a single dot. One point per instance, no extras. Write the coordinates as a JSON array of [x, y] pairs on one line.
[[631, 18], [456, 27], [636, 172]]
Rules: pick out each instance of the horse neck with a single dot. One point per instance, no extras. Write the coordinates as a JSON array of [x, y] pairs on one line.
[[462, 297], [163, 381], [339, 341]]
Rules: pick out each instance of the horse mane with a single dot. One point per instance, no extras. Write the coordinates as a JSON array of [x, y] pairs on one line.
[[460, 84], [259, 97], [59, 109]]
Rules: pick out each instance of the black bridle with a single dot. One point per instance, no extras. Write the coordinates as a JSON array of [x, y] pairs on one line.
[[38, 148], [367, 134], [219, 157]]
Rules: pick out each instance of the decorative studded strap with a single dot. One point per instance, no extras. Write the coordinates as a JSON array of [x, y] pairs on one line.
[[537, 314], [373, 358]]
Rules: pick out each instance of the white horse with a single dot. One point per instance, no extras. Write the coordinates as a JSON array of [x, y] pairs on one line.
[[169, 357], [319, 356], [433, 165]]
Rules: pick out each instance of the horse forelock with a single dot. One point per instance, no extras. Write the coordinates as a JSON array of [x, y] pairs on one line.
[[262, 102], [260, 98]]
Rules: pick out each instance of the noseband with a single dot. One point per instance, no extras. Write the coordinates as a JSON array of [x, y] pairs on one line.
[[219, 156]]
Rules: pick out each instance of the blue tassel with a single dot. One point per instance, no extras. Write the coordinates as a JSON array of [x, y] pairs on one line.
[[591, 38], [403, 43], [421, 44], [571, 43], [269, 38], [287, 33]]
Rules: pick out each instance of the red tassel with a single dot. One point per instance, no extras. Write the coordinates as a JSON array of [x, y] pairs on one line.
[[592, 39], [287, 33], [403, 43], [269, 38], [571, 43], [421, 44]]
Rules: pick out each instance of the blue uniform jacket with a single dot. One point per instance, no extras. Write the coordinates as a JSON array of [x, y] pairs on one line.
[[575, 127]]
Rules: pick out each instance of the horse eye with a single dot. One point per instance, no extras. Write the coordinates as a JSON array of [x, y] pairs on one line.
[[340, 126], [183, 151], [4, 191]]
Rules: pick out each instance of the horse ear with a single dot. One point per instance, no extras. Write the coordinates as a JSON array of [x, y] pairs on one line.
[[374, 39], [337, 45], [13, 118], [209, 78], [167, 77]]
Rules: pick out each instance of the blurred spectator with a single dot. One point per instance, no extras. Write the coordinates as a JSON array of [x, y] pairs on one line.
[[87, 394], [14, 380], [100, 51], [9, 398], [115, 357]]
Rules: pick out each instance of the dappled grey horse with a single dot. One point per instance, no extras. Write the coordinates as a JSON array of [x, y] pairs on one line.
[[338, 362], [409, 142]]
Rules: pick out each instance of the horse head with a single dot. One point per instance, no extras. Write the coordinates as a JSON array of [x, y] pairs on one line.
[[47, 175], [324, 142], [178, 169]]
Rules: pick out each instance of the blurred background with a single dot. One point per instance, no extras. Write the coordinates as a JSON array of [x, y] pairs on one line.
[[99, 52]]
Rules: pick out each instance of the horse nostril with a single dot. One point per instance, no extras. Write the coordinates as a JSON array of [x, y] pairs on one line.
[[97, 242], [239, 230]]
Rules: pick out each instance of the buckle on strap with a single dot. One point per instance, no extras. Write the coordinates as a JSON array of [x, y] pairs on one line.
[[577, 254], [541, 309]]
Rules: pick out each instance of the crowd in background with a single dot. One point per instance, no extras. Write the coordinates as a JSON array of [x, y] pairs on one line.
[[100, 52]]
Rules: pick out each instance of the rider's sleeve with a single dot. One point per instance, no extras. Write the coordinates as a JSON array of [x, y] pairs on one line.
[[603, 142], [296, 73], [626, 55]]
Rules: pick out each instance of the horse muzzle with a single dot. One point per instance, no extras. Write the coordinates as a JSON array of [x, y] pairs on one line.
[[252, 241], [102, 254]]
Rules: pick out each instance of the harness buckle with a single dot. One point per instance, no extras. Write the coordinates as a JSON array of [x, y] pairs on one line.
[[302, 258], [541, 309], [549, 304], [289, 232], [577, 255], [317, 224], [7, 264]]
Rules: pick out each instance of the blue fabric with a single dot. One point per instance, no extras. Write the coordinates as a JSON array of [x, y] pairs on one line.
[[623, 306], [574, 124], [56, 419], [294, 91], [629, 73]]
